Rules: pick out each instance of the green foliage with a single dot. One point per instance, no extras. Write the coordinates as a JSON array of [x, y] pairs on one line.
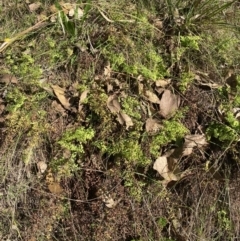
[[221, 132], [224, 220], [228, 131], [190, 42], [185, 80], [135, 187], [65, 167], [23, 65], [16, 99], [193, 16], [63, 19], [130, 150], [135, 58], [172, 130], [73, 140]]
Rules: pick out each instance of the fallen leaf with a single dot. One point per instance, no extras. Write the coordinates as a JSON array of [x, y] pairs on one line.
[[55, 188], [236, 112], [120, 119], [34, 6], [153, 125], [165, 168], [58, 108], [162, 82], [152, 97], [42, 166], [81, 100], [107, 71], [113, 104], [8, 78], [191, 141], [59, 92], [109, 202], [124, 118], [2, 107], [83, 96], [169, 103], [158, 23], [160, 90]]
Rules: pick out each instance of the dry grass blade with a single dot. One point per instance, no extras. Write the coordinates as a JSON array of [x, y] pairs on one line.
[[22, 34]]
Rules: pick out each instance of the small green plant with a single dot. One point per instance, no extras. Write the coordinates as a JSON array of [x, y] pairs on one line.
[[74, 140], [172, 131], [228, 131], [193, 16], [185, 80], [224, 220]]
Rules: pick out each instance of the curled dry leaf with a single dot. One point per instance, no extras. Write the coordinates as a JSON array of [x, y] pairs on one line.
[[109, 202], [81, 100], [2, 107], [169, 104], [55, 188], [236, 112], [113, 104], [83, 96], [153, 125], [8, 78], [124, 118], [34, 6], [165, 167], [59, 92], [42, 166], [152, 97], [107, 71], [162, 82], [192, 141]]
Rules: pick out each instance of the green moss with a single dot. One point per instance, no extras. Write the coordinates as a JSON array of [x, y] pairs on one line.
[[23, 65], [73, 140], [135, 58], [172, 130], [185, 80]]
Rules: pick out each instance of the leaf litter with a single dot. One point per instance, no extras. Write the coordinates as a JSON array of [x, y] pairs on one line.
[[60, 94], [167, 165], [169, 104]]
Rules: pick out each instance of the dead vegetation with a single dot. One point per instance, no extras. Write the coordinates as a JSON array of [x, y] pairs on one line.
[[119, 120]]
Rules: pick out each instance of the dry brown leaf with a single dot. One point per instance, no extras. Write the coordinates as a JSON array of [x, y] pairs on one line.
[[59, 92], [120, 119], [2, 107], [158, 24], [191, 141], [169, 104], [152, 97], [107, 71], [34, 6], [113, 104], [236, 112], [162, 82], [124, 118], [81, 100], [8, 78], [152, 125], [42, 166], [109, 87], [55, 188], [165, 169], [83, 96]]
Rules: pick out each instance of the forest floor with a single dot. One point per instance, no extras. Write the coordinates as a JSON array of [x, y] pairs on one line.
[[119, 120]]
